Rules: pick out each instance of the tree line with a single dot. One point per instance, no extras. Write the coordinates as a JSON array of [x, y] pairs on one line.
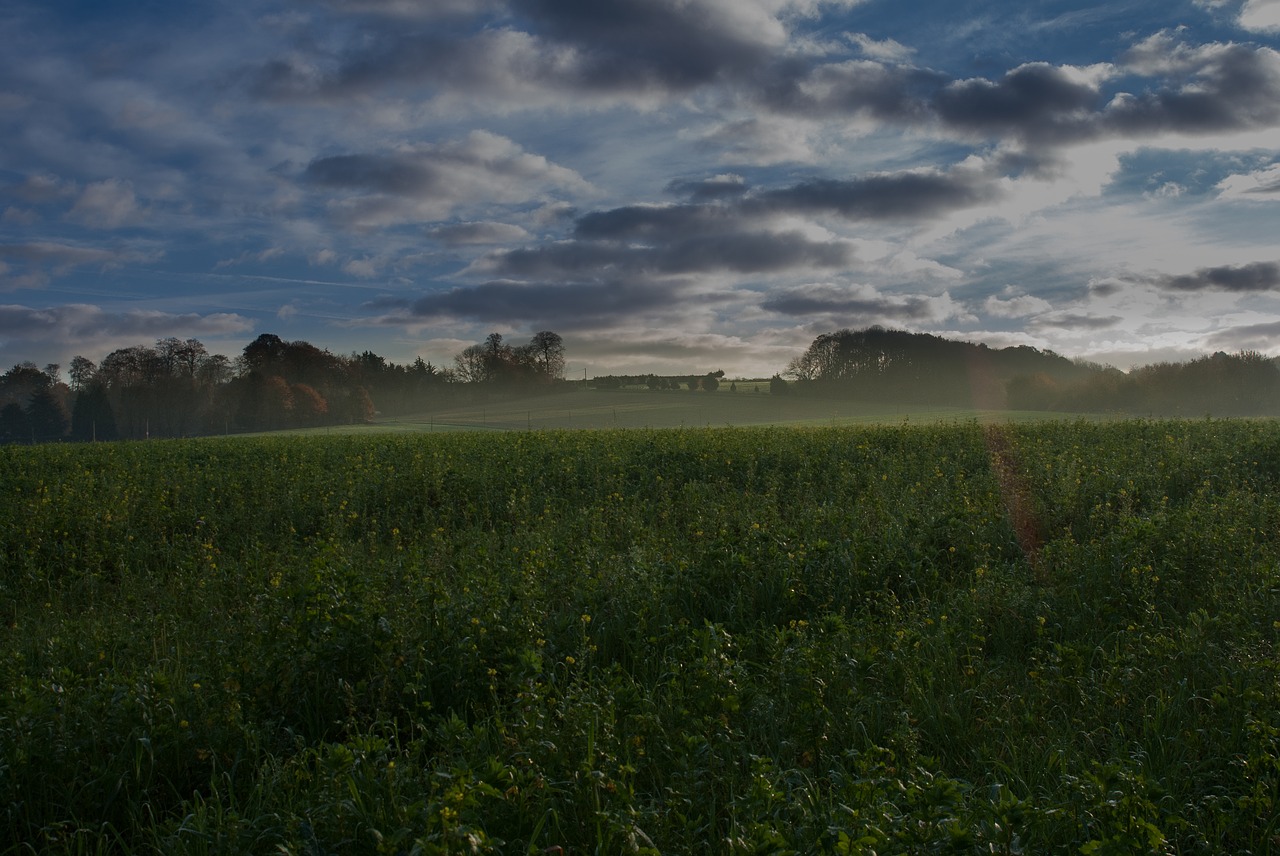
[[895, 366], [176, 388]]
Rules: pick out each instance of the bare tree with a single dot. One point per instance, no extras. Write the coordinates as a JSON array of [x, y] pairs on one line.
[[548, 350]]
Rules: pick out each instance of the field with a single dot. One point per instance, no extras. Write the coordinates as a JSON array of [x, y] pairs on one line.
[[1054, 637], [639, 408]]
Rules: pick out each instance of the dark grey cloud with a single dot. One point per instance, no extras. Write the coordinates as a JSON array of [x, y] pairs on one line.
[[415, 10], [711, 189], [1074, 321], [1230, 87], [1211, 88], [1036, 102], [1256, 337], [400, 175], [741, 252], [657, 222], [891, 196], [737, 235], [754, 253], [828, 300], [919, 195], [428, 182], [567, 305], [672, 44], [1257, 276], [623, 46]]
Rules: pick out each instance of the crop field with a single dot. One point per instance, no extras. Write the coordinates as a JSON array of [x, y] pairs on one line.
[[1054, 637]]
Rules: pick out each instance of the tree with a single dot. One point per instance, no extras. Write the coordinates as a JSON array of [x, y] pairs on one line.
[[264, 352], [711, 383], [82, 372], [215, 370], [498, 357], [132, 366], [92, 417], [48, 416], [19, 383], [309, 406], [548, 350], [181, 357], [470, 365], [14, 425]]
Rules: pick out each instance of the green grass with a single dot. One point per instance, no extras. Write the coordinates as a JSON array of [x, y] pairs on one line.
[[1011, 638], [635, 408]]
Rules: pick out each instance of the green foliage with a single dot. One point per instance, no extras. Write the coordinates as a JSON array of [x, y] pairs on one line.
[[1057, 637]]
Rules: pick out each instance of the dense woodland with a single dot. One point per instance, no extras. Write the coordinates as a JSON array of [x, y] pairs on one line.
[[891, 365], [177, 388]]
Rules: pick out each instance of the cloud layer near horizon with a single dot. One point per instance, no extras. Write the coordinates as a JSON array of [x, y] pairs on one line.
[[644, 176]]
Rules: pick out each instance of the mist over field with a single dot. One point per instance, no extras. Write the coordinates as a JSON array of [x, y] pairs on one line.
[[177, 388]]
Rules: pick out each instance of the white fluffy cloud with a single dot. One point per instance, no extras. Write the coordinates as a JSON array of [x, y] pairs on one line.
[[1261, 15]]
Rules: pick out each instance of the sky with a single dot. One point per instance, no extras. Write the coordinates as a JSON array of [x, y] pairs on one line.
[[673, 186]]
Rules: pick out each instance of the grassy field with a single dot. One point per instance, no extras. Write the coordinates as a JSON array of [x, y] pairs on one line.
[[636, 408], [1055, 637]]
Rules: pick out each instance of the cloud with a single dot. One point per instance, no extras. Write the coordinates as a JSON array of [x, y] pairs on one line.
[[891, 92], [1038, 102], [1262, 15], [652, 223], [675, 45], [1021, 306], [85, 325], [40, 188], [859, 302], [108, 204], [486, 232], [1213, 88], [365, 268], [735, 252], [625, 47], [1203, 89], [1074, 321], [565, 305], [887, 50], [414, 10], [248, 256], [725, 186], [1260, 185], [1246, 337], [912, 195], [1253, 277], [40, 260], [430, 182]]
